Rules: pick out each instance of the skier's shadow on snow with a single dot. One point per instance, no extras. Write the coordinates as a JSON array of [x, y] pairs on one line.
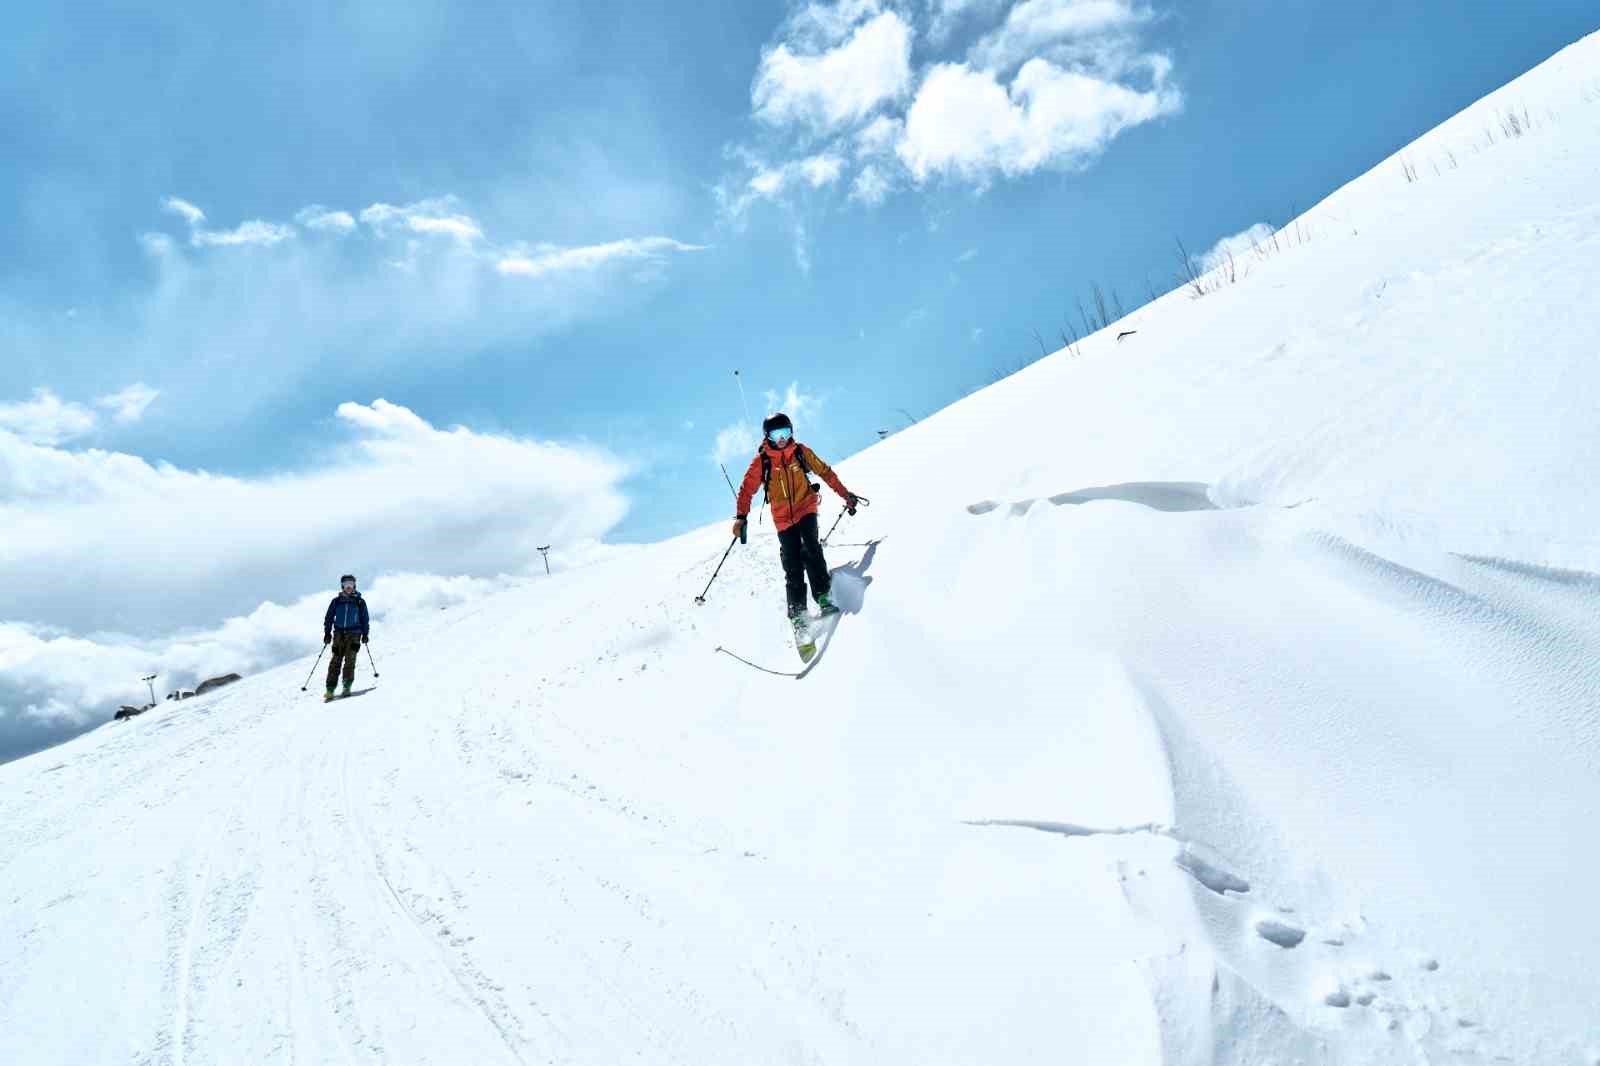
[[850, 581]]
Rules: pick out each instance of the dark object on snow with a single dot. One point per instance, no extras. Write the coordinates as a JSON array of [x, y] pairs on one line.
[[1126, 333], [181, 694], [126, 712], [347, 613], [211, 683], [801, 554]]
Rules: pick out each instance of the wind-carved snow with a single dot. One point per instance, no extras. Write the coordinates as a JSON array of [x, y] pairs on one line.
[[1314, 635]]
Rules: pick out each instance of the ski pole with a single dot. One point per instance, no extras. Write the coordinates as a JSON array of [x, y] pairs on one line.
[[702, 597], [370, 659], [861, 501], [314, 665]]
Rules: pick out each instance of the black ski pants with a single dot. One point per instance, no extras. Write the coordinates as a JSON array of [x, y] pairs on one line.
[[801, 553]]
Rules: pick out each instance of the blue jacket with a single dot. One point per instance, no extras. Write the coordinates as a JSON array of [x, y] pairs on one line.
[[346, 614]]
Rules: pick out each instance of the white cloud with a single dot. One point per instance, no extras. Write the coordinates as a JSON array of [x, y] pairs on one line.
[[816, 26], [101, 540], [772, 182], [871, 187], [794, 402], [317, 217], [129, 405], [1093, 32], [878, 137], [821, 170], [184, 210], [839, 86], [1235, 245], [44, 420], [964, 124], [253, 232], [1048, 86], [735, 444], [967, 256], [436, 217], [547, 259]]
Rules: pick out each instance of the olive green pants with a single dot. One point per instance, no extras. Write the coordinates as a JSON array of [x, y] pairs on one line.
[[346, 648]]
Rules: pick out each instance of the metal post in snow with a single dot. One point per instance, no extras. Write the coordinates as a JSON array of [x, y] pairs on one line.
[[545, 551]]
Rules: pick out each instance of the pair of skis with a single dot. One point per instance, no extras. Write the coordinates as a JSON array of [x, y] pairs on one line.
[[810, 640]]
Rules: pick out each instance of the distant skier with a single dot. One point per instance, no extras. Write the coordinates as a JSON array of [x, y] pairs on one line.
[[345, 627], [784, 467]]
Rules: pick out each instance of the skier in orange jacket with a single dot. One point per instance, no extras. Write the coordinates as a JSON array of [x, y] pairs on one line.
[[785, 467]]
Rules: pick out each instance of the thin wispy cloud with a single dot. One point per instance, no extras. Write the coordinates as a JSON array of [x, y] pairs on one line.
[[130, 404], [548, 259], [317, 217], [436, 217]]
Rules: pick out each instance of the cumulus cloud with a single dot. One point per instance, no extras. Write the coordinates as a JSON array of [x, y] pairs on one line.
[[130, 404], [1047, 86], [965, 124], [107, 540], [114, 566], [1235, 245], [549, 258], [1096, 33], [45, 419], [840, 85], [184, 210]]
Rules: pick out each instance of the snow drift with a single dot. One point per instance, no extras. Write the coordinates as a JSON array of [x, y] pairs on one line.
[[1226, 695]]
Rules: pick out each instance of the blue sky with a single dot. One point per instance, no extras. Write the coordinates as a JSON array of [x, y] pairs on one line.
[[561, 227]]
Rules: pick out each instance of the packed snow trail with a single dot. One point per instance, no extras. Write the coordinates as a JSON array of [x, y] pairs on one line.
[[1227, 695]]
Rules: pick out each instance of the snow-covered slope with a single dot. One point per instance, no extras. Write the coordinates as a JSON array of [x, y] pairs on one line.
[[1226, 695]]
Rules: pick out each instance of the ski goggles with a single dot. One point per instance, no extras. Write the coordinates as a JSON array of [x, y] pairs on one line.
[[782, 435], [348, 586]]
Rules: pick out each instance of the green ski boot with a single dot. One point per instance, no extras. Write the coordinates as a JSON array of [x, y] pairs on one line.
[[826, 605], [346, 692], [327, 697]]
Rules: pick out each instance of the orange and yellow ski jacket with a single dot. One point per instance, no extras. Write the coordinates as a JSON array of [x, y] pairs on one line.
[[789, 491]]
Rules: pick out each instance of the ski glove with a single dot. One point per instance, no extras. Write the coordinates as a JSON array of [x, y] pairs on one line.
[[326, 637], [740, 523], [850, 502], [363, 638]]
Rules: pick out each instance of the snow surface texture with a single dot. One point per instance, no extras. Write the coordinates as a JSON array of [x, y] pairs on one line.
[[1226, 695]]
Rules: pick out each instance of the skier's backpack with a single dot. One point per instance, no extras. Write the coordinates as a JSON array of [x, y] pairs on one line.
[[766, 471]]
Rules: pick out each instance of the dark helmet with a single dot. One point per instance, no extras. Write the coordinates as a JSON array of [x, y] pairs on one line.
[[347, 577], [777, 421]]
